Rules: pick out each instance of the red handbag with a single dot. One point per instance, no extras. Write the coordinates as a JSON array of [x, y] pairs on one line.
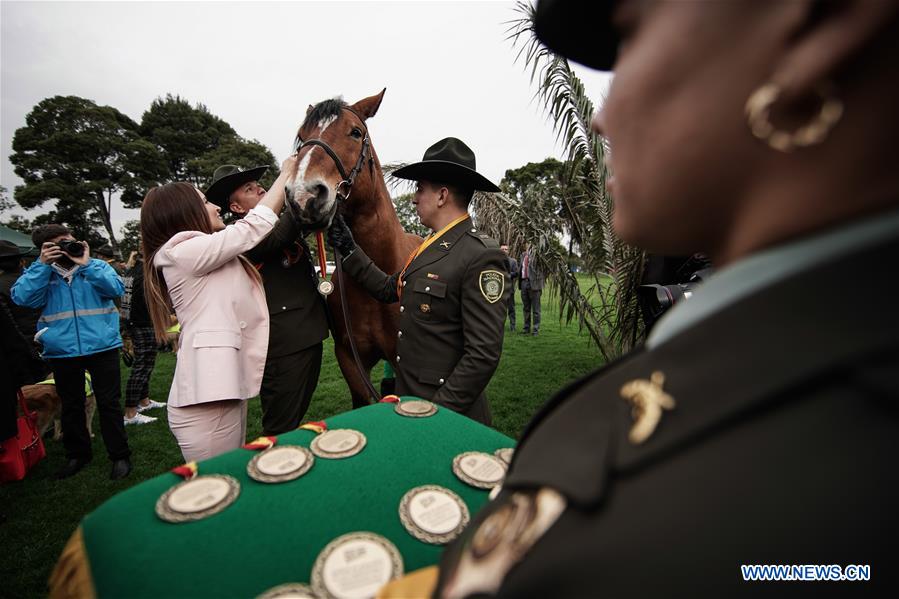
[[19, 454]]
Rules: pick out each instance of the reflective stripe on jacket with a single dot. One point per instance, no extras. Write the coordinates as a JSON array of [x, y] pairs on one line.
[[79, 318]]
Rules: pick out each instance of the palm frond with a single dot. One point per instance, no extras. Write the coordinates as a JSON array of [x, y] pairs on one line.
[[608, 308]]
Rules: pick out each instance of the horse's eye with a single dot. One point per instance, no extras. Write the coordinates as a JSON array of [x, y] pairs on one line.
[[356, 132]]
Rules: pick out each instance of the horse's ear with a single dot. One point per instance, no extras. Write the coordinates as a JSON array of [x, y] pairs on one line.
[[308, 110], [368, 107]]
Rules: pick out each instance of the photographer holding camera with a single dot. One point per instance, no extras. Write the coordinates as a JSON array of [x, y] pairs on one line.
[[79, 330]]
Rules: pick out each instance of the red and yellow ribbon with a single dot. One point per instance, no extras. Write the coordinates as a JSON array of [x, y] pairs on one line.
[[317, 427], [186, 471], [322, 262], [261, 443]]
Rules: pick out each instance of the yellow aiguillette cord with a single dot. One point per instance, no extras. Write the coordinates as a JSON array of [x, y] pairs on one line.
[[424, 245]]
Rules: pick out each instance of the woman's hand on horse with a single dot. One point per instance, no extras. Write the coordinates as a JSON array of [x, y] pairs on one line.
[[289, 166], [340, 237], [274, 198]]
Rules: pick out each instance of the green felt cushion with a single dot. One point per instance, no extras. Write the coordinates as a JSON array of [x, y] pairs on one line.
[[273, 532]]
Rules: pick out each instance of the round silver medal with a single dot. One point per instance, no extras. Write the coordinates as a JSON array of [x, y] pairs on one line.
[[433, 514], [338, 443], [280, 464], [415, 408], [356, 565], [325, 287], [479, 469], [197, 498]]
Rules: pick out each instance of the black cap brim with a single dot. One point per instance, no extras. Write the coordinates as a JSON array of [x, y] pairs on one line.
[[219, 192], [442, 171], [579, 31]]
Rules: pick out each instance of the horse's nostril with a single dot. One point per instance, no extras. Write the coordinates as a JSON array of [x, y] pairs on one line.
[[319, 191]]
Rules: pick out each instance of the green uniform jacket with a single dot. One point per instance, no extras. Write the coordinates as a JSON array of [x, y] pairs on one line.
[[781, 449], [296, 309], [451, 317]]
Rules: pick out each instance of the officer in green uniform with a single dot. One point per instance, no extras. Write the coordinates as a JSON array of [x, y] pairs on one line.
[[299, 320], [452, 292], [758, 425]]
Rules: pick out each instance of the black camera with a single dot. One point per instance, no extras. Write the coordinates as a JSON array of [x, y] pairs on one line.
[[680, 275], [72, 248]]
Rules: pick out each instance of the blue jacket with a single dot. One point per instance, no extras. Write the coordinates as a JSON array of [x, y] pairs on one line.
[[81, 318]]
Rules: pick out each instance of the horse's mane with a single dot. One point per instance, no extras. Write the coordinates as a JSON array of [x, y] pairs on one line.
[[324, 110]]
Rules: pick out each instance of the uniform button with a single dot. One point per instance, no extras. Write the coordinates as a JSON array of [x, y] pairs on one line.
[[283, 307], [427, 288], [243, 325], [402, 308], [397, 358], [404, 284], [474, 230], [400, 334], [441, 381]]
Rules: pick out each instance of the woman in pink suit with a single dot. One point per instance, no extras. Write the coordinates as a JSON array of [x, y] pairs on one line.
[[194, 266]]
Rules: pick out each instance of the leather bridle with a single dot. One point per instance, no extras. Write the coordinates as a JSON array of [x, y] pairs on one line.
[[342, 192], [345, 186]]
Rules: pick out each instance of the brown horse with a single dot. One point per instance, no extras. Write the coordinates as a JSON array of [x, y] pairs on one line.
[[338, 169]]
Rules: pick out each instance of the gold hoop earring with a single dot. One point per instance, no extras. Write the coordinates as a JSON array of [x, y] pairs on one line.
[[758, 116]]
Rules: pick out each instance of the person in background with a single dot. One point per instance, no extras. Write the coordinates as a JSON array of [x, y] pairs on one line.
[[758, 424], [11, 265], [193, 265], [107, 254], [531, 285], [452, 291], [512, 268], [299, 321], [79, 331], [139, 328]]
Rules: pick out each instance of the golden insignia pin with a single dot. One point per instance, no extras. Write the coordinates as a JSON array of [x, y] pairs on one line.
[[445, 244], [648, 400], [425, 308]]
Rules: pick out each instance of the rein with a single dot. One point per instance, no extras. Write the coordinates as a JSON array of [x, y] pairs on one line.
[[346, 185]]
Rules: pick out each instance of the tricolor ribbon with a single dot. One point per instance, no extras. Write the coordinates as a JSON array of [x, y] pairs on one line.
[[390, 399], [322, 261], [186, 471], [261, 443], [317, 427]]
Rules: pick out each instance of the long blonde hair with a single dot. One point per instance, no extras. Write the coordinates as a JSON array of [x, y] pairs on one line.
[[167, 210]]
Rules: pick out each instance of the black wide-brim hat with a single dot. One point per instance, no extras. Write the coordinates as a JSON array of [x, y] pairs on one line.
[[448, 161], [10, 250], [580, 31], [226, 179]]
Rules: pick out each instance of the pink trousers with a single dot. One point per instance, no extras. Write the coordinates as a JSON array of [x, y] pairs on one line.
[[209, 429]]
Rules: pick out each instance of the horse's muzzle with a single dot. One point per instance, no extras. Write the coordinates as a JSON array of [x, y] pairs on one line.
[[314, 202]]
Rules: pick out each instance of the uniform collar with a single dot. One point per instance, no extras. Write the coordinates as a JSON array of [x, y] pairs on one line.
[[785, 335], [441, 247]]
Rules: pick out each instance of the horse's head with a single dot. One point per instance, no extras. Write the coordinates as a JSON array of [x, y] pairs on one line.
[[336, 158]]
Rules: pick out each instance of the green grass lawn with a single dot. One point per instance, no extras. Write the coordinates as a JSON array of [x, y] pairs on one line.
[[41, 513]]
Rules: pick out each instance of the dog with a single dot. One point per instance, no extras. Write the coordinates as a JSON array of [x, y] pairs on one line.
[[46, 403]]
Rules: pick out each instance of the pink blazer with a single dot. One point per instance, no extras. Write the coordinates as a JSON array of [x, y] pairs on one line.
[[221, 309]]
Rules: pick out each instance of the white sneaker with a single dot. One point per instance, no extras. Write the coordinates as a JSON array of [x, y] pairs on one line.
[[150, 406], [139, 419]]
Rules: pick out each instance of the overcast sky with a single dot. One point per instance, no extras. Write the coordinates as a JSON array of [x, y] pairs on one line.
[[448, 68]]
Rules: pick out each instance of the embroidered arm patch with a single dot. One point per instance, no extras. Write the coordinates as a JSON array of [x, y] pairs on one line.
[[492, 284]]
